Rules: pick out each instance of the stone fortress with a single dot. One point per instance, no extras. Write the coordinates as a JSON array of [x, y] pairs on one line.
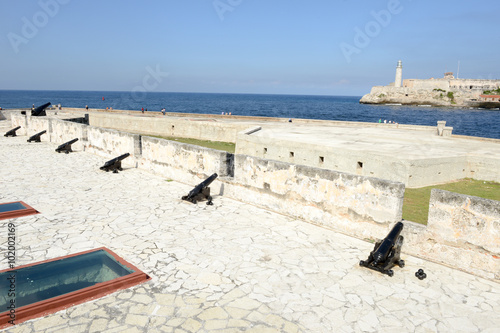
[[332, 174], [446, 91]]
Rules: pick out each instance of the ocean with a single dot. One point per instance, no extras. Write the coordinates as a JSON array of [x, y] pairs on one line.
[[473, 122]]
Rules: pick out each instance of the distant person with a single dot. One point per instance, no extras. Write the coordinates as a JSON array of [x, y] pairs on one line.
[[146, 109], [380, 121], [86, 107], [33, 107], [385, 121], [142, 110], [163, 111], [290, 120]]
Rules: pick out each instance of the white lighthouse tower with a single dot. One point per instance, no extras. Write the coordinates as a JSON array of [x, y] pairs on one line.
[[399, 74]]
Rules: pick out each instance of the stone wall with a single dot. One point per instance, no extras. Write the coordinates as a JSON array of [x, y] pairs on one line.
[[351, 161], [64, 131], [179, 161], [446, 84], [427, 84], [464, 231], [18, 119], [202, 129], [410, 171], [348, 203], [184, 162], [111, 143], [483, 168]]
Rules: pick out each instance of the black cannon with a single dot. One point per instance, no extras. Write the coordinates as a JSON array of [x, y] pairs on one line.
[[12, 132], [66, 147], [37, 136], [201, 191], [40, 110], [386, 253], [115, 164]]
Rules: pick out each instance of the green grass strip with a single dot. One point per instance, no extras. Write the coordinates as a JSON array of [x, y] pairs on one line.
[[416, 200], [218, 145]]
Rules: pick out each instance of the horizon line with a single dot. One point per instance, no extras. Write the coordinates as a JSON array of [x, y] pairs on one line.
[[185, 92]]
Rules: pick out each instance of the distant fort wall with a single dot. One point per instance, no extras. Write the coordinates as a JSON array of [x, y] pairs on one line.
[[200, 126], [434, 94], [455, 84], [446, 91], [364, 207], [203, 129]]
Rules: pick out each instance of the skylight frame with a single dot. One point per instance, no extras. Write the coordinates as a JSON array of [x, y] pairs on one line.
[[55, 304], [19, 212]]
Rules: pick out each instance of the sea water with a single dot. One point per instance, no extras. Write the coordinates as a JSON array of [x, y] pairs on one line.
[[465, 121]]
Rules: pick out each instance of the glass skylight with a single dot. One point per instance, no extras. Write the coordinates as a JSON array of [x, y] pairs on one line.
[[52, 285], [15, 209]]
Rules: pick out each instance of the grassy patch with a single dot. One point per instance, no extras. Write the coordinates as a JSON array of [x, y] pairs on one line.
[[492, 92], [225, 146], [416, 201]]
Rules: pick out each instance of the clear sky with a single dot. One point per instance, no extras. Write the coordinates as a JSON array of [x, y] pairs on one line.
[[320, 47]]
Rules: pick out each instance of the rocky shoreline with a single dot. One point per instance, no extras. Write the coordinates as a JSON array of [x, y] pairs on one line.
[[426, 97]]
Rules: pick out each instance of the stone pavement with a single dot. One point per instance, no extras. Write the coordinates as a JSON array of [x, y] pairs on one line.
[[227, 268]]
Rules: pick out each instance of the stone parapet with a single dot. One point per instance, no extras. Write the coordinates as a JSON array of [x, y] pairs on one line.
[[464, 231], [184, 162], [352, 204]]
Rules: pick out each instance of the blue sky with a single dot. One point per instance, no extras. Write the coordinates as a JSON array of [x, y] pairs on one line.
[[321, 47]]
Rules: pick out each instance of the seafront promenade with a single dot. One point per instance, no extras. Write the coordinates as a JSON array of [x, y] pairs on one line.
[[227, 268]]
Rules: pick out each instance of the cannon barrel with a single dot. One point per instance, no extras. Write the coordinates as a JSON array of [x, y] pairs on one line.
[[66, 146], [382, 252], [201, 191], [40, 110], [68, 143], [12, 132], [115, 164], [386, 252], [36, 137], [195, 191], [116, 159]]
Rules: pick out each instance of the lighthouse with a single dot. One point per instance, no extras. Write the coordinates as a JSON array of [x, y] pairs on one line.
[[399, 74]]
